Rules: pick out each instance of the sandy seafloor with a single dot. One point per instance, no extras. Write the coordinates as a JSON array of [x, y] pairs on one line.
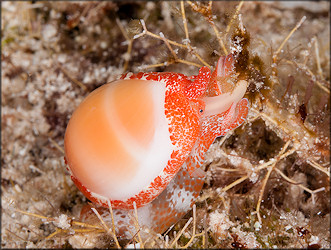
[[49, 48]]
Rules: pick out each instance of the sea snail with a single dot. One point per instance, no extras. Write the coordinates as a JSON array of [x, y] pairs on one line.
[[128, 139]]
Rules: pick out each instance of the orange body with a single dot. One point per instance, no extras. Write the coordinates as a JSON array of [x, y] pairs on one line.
[[142, 130]]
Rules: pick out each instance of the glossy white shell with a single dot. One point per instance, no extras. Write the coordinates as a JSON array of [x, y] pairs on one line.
[[126, 119]]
